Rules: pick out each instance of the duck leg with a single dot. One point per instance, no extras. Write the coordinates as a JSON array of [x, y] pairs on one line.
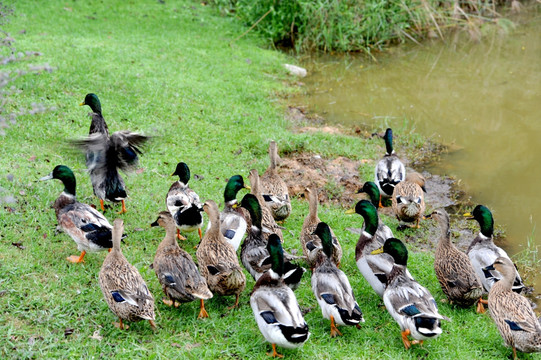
[[123, 211], [77, 259], [120, 325], [480, 306], [236, 303], [202, 312], [274, 352], [180, 237], [334, 330], [200, 234], [405, 340], [101, 205], [152, 324]]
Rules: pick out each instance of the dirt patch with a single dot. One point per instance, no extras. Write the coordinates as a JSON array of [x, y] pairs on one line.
[[338, 181]]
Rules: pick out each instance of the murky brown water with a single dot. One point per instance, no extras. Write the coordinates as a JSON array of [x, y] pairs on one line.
[[484, 98]]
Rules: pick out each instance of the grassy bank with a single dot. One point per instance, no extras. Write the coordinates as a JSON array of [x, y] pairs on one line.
[[168, 70]]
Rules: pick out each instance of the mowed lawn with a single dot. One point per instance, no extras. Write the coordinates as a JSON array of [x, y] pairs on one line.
[[169, 70]]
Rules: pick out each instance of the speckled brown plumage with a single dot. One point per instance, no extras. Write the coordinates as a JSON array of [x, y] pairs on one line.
[[453, 268], [311, 243], [124, 289], [175, 268], [512, 313], [218, 260], [274, 189], [268, 223], [408, 199]]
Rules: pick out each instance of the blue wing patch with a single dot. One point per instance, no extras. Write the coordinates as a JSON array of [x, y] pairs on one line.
[[513, 325], [268, 316], [410, 310], [230, 234], [329, 298], [117, 297], [169, 279]]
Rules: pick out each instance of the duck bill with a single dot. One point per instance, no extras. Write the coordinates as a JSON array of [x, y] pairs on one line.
[[247, 187], [489, 268], [468, 216], [377, 251], [155, 223], [47, 177], [350, 211], [82, 104]]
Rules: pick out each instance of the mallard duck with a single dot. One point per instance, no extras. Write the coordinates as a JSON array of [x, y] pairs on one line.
[[176, 271], [371, 189], [375, 268], [254, 255], [331, 287], [105, 155], [310, 242], [268, 223], [232, 223], [274, 189], [275, 306], [512, 313], [86, 226], [483, 252], [183, 203], [454, 270], [409, 200], [217, 259], [389, 170], [124, 289], [410, 304]]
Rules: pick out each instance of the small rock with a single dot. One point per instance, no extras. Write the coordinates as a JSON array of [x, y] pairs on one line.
[[296, 70]]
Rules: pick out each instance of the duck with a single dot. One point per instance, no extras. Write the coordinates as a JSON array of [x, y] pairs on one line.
[[409, 201], [176, 271], [375, 268], [389, 170], [218, 260], [232, 223], [516, 321], [106, 154], [371, 189], [410, 304], [275, 306], [454, 270], [269, 225], [85, 225], [483, 252], [123, 287], [254, 255], [331, 287], [183, 203], [274, 189], [310, 242]]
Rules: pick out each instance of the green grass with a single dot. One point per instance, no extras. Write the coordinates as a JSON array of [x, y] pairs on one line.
[[167, 70]]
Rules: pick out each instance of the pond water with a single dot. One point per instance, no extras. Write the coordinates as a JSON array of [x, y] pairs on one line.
[[482, 98]]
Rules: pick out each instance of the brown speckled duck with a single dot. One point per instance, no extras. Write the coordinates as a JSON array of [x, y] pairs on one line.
[[409, 200], [176, 270], [512, 313], [454, 270], [310, 242], [274, 189], [269, 225], [218, 260], [84, 224], [124, 289]]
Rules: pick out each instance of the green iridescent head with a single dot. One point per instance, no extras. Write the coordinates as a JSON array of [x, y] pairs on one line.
[[92, 101], [183, 172]]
